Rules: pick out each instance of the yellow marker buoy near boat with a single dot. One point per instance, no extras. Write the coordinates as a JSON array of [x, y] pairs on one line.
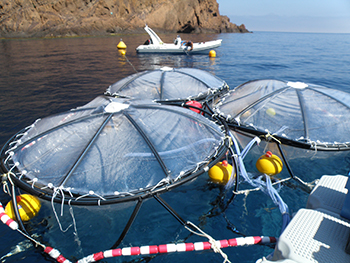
[[221, 172], [28, 207], [212, 54], [121, 45], [269, 164]]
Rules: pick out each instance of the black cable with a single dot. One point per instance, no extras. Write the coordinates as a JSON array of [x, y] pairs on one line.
[[15, 210], [303, 186], [170, 209]]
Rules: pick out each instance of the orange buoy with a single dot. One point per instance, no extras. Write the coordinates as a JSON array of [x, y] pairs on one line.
[[221, 172], [269, 164]]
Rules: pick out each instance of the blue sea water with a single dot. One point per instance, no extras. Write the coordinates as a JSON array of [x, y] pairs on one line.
[[40, 77]]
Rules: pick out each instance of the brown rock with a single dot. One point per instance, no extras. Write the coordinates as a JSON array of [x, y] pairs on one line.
[[40, 18]]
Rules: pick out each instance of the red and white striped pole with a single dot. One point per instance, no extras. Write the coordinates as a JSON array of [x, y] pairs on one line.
[[6, 219], [54, 253], [180, 247], [144, 250]]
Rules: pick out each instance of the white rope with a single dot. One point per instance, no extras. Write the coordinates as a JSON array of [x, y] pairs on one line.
[[90, 193], [212, 241], [198, 165], [161, 182], [5, 186], [33, 181], [32, 239], [9, 177], [56, 190], [247, 191], [76, 238], [179, 176], [9, 151]]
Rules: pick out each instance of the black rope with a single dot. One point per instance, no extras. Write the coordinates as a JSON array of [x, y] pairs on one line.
[[170, 209], [231, 226], [302, 184], [15, 209]]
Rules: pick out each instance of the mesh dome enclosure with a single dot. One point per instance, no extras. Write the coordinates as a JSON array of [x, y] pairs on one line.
[[297, 114], [169, 84], [112, 150]]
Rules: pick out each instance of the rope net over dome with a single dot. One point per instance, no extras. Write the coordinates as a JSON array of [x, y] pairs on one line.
[[112, 150]]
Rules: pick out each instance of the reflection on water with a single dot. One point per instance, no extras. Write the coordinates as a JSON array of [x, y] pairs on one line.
[[40, 77]]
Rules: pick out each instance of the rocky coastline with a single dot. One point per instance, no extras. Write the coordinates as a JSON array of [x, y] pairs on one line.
[[61, 18]]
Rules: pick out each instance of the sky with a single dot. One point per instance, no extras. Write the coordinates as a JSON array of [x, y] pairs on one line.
[[318, 16]]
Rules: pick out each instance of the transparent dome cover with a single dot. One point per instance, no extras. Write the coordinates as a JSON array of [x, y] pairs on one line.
[[112, 148], [168, 84], [292, 111]]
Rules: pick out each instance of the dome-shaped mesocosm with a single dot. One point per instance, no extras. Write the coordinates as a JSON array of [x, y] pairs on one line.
[[113, 149]]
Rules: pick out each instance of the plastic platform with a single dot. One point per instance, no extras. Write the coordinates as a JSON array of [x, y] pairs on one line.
[[321, 233], [329, 194], [314, 236]]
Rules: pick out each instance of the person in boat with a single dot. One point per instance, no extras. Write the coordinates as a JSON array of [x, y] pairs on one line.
[[148, 42], [189, 44]]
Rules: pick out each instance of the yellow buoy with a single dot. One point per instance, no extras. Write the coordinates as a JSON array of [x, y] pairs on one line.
[[28, 207], [269, 164], [271, 112], [221, 172], [121, 45], [212, 54], [122, 52]]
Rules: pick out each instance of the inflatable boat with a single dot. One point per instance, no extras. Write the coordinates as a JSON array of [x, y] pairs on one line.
[[156, 45]]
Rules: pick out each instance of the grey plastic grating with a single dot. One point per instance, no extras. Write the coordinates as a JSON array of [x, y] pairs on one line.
[[314, 236], [329, 194]]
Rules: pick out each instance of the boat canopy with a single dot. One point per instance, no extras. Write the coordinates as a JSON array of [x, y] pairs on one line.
[[112, 150], [296, 113], [168, 84], [154, 37]]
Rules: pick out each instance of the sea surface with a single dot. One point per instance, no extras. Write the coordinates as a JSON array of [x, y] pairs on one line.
[[40, 77]]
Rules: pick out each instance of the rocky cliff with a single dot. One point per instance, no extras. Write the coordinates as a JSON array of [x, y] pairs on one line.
[[40, 18]]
